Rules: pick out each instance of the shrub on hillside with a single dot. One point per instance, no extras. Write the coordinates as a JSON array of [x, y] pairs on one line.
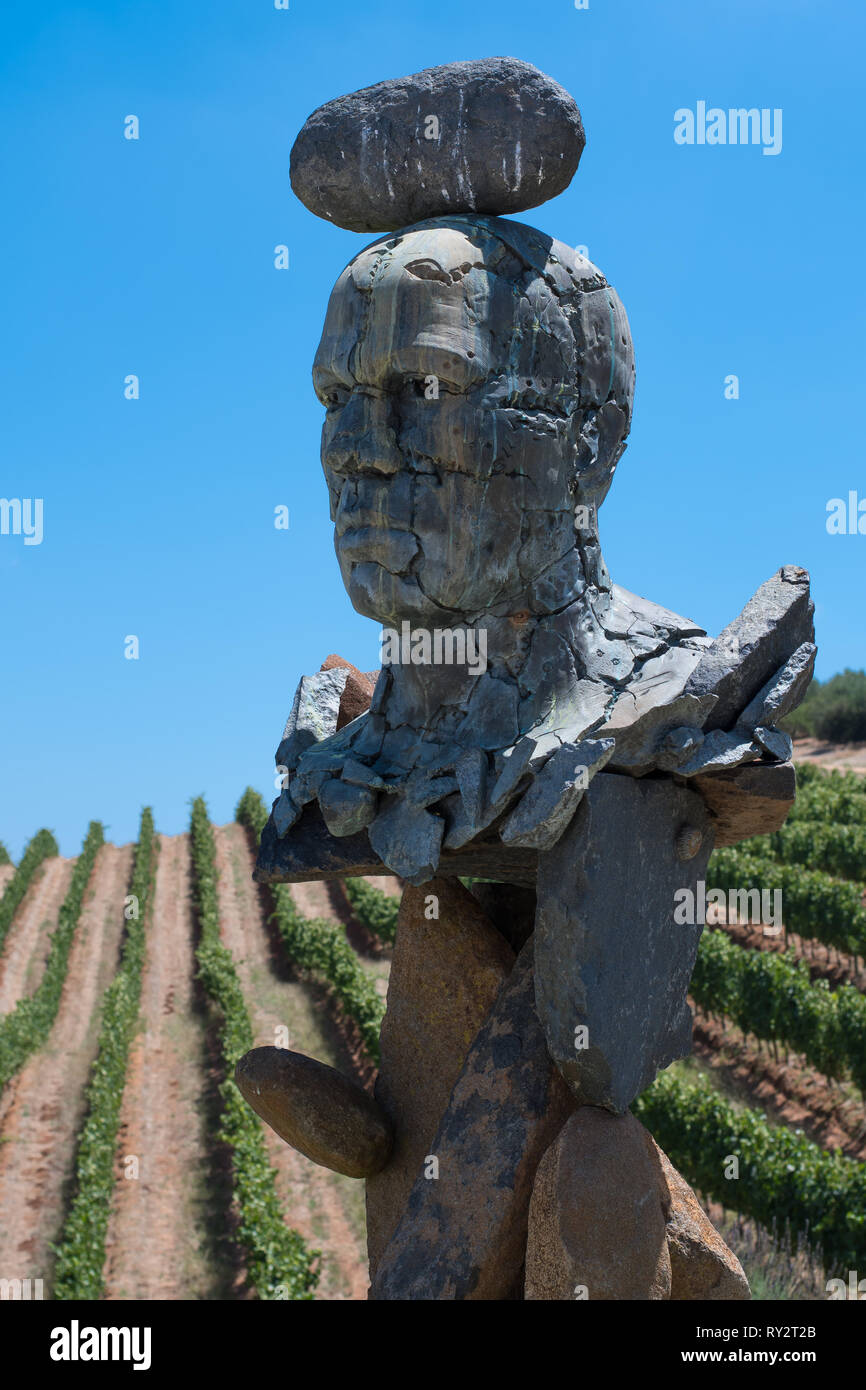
[[834, 710]]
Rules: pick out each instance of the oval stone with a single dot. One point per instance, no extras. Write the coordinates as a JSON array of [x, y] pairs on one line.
[[494, 135], [317, 1110]]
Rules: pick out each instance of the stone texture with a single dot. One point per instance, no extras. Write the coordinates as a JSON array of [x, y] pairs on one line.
[[641, 736], [310, 852], [463, 1234], [407, 838], [596, 1225], [320, 1112], [719, 752], [746, 801], [660, 680], [357, 692], [645, 615], [783, 691], [284, 813], [609, 957], [508, 138], [774, 623], [612, 1219], [702, 1266], [314, 714], [776, 743], [346, 809], [445, 975], [556, 791]]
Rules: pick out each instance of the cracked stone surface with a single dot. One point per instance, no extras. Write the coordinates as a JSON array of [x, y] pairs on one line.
[[503, 137], [470, 511]]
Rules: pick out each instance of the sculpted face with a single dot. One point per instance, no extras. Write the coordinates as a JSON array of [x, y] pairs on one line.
[[477, 378]]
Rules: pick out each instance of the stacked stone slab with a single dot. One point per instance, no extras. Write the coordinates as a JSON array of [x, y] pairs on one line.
[[477, 377]]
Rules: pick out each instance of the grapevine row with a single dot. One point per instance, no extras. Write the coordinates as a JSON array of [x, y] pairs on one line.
[[279, 1262], [784, 1180], [373, 908], [25, 1029], [319, 946], [42, 846], [813, 903], [835, 849], [772, 997], [81, 1250]]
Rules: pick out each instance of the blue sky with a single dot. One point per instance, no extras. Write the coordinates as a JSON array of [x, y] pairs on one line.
[[155, 257]]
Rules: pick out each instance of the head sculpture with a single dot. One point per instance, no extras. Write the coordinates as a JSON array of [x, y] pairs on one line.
[[478, 380]]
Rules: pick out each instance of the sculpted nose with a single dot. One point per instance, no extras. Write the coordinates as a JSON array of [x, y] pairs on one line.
[[364, 439]]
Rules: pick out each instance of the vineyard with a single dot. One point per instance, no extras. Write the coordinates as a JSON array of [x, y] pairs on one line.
[[133, 978]]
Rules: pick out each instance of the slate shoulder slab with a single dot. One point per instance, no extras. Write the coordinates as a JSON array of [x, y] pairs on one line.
[[612, 966]]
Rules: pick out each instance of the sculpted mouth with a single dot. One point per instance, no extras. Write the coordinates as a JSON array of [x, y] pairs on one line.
[[387, 546]]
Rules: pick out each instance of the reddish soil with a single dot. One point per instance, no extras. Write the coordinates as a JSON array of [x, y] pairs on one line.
[[160, 1234], [313, 1198], [26, 944], [319, 899], [791, 1092], [42, 1107], [328, 900]]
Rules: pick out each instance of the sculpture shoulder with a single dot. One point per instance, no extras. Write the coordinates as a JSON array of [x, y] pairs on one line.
[[653, 615]]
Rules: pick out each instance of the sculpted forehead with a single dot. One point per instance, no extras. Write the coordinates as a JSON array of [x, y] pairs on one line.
[[475, 302], [436, 302]]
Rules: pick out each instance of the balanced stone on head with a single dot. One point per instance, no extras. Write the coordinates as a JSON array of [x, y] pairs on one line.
[[494, 135]]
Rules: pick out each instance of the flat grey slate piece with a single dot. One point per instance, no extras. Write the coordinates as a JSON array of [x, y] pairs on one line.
[[309, 851], [608, 954]]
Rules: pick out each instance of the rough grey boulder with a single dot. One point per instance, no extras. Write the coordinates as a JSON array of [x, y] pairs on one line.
[[494, 135]]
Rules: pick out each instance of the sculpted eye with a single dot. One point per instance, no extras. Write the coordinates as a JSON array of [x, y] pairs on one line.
[[334, 397]]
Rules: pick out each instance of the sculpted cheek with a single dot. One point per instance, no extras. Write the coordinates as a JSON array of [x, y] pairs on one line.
[[469, 530]]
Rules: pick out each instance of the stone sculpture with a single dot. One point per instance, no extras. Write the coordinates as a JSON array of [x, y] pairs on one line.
[[533, 723]]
